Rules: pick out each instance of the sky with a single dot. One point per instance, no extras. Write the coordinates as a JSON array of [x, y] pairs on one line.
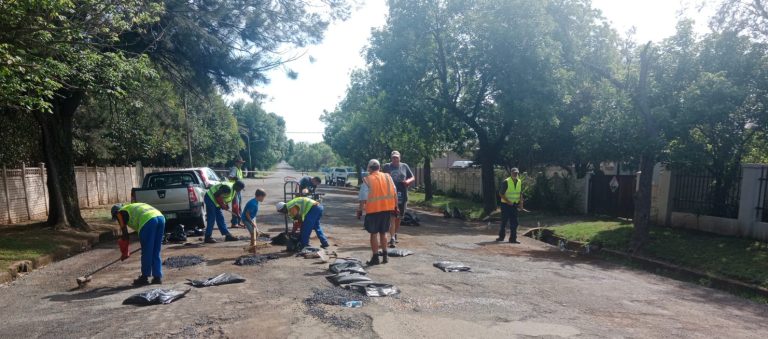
[[323, 70]]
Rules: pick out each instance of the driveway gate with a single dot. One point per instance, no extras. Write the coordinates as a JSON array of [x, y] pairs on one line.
[[612, 195]]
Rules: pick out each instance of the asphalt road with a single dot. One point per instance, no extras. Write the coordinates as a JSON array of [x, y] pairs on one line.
[[521, 290]]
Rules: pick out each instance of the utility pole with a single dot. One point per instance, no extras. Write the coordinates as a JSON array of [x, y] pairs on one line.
[[189, 131]]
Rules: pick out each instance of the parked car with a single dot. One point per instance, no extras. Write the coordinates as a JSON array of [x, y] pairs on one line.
[[207, 175], [178, 195], [462, 164]]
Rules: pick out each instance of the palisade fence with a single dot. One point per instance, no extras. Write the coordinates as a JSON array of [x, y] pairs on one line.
[[695, 193], [762, 206], [24, 193]]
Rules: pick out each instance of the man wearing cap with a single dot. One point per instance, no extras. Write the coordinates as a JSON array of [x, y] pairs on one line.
[[403, 177], [511, 194], [309, 213], [378, 198], [235, 174], [217, 198], [149, 223]]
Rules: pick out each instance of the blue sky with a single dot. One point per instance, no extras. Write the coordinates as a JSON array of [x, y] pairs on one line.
[[324, 69]]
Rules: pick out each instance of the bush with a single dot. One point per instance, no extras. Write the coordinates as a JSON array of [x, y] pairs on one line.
[[557, 193]]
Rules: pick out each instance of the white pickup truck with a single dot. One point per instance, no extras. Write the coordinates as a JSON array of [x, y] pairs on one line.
[[178, 194]]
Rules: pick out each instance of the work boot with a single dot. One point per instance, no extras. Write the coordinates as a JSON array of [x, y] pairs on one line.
[[513, 241], [374, 260], [230, 237], [392, 243], [141, 281], [324, 246], [500, 239], [385, 259], [210, 241], [156, 281]]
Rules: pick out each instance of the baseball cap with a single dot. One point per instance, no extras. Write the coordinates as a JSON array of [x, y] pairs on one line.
[[374, 162], [280, 205], [514, 170], [395, 154]]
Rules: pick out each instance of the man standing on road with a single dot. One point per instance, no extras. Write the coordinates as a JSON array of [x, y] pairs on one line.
[[403, 177], [149, 223], [309, 213], [511, 194], [236, 174], [217, 198], [378, 198]]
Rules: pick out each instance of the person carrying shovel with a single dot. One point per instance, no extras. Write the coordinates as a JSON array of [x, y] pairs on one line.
[[149, 223], [217, 198], [249, 215]]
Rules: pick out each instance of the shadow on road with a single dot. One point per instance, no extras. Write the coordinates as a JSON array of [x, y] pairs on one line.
[[92, 294]]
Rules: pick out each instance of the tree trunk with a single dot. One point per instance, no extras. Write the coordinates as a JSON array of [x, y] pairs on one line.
[[488, 182], [428, 189], [642, 217], [56, 130]]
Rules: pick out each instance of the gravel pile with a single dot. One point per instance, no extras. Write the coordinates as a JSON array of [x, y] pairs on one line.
[[255, 259], [183, 261], [318, 303]]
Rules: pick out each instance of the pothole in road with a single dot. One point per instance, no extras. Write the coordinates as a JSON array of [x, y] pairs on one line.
[[183, 261]]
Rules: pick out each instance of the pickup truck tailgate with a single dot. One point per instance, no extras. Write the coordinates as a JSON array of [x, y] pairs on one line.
[[165, 199]]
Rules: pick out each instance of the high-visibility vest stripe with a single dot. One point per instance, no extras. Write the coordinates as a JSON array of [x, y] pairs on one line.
[[381, 193]]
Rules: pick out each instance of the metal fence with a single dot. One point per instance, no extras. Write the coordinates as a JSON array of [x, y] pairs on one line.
[[461, 181], [695, 193], [762, 200]]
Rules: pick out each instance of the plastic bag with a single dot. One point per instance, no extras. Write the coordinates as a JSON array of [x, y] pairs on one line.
[[347, 266], [221, 279], [399, 252], [410, 219], [155, 297], [452, 266], [347, 278], [373, 289]]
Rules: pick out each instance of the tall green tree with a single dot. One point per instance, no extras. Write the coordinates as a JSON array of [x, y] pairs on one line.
[[55, 53], [496, 68], [265, 132], [51, 54]]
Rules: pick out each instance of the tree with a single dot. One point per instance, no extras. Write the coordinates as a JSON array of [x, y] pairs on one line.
[[56, 53], [496, 68], [722, 111], [266, 133], [53, 53], [311, 157]]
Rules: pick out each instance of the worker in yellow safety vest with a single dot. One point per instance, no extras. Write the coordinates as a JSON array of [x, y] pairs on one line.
[[219, 197], [309, 213], [378, 198], [511, 194], [149, 223], [236, 174]]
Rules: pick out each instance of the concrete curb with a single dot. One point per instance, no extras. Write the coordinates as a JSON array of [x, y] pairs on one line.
[[649, 264], [18, 268]]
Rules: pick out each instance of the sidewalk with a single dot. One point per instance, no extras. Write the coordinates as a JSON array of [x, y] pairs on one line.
[[31, 245]]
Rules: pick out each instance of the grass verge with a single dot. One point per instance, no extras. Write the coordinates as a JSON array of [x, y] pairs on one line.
[[736, 258], [33, 240]]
